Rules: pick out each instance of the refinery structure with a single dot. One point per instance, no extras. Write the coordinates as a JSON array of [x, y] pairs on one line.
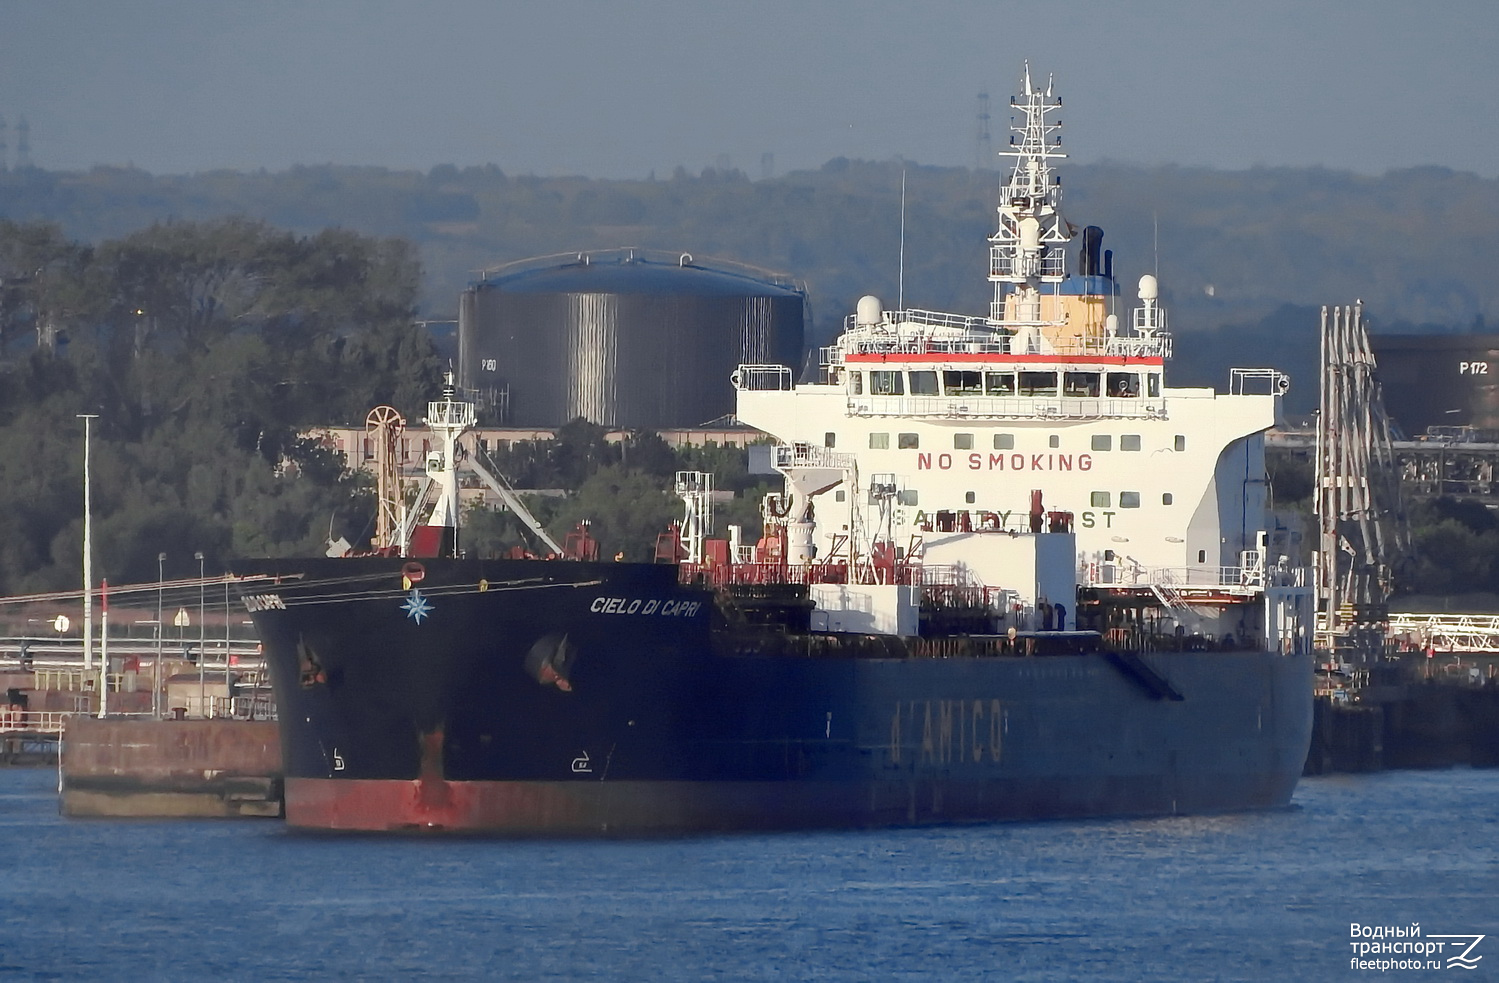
[[624, 338]]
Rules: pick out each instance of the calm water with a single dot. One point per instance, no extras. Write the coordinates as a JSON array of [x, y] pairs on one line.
[[1263, 896]]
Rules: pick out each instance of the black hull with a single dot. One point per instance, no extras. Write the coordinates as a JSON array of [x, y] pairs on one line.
[[551, 697]]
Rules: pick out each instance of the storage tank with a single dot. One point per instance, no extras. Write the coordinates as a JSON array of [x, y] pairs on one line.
[[1438, 380], [622, 339]]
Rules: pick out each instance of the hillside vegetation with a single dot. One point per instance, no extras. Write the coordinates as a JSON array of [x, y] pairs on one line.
[[1244, 257]]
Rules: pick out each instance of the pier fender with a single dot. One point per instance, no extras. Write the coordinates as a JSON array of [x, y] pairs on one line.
[[550, 661]]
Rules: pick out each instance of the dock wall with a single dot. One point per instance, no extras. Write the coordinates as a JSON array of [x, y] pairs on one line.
[[124, 767]]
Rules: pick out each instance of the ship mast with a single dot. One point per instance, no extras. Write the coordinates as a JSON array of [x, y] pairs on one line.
[[448, 418], [1024, 252]]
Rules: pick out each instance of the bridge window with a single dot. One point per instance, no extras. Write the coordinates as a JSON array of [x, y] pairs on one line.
[[961, 382], [1038, 383], [1129, 442], [907, 441], [1153, 385], [1124, 384], [879, 441], [962, 441], [1080, 383], [924, 383], [1103, 442], [882, 383], [1004, 441], [856, 383], [1129, 500], [1099, 500], [999, 383]]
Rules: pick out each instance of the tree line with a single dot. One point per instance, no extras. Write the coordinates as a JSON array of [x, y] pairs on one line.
[[1245, 257], [205, 350]]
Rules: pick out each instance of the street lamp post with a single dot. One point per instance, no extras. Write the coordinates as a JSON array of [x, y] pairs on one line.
[[228, 689], [202, 636], [104, 650], [161, 565], [88, 550]]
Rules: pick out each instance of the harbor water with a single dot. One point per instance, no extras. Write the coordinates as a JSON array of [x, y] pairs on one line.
[[1268, 895]]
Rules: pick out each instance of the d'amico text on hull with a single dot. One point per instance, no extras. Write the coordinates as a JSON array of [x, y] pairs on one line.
[[1012, 574]]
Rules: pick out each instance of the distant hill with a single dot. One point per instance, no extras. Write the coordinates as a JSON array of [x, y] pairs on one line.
[[1244, 257]]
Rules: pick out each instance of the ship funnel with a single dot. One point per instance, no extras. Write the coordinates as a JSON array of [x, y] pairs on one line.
[[868, 313], [1090, 261]]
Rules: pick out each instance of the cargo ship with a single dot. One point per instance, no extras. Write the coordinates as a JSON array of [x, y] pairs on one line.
[[1012, 575]]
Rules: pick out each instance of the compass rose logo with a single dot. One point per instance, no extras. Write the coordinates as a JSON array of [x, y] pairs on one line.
[[417, 607]]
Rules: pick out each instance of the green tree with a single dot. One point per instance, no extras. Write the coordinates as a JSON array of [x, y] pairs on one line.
[[627, 511]]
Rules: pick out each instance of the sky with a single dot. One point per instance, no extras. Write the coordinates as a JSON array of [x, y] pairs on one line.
[[623, 89]]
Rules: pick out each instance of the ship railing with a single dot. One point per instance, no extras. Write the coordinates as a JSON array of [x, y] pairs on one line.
[[1135, 346], [66, 680], [1287, 576], [1127, 574], [450, 413], [763, 378], [832, 572], [14, 720], [1016, 407], [1148, 319], [963, 335], [255, 706], [1450, 632], [763, 573], [1003, 263], [1258, 382], [799, 455]]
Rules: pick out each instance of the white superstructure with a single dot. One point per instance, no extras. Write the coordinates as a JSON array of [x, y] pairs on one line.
[[933, 435]]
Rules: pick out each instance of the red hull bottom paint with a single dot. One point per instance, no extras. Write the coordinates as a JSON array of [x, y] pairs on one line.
[[644, 808]]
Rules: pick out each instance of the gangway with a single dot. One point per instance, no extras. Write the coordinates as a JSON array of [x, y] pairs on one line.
[[1450, 632]]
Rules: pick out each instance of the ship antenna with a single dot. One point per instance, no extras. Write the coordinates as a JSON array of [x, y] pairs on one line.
[[900, 292], [1026, 251]]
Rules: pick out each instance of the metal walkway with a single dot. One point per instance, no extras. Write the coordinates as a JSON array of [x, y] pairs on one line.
[[1450, 632]]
